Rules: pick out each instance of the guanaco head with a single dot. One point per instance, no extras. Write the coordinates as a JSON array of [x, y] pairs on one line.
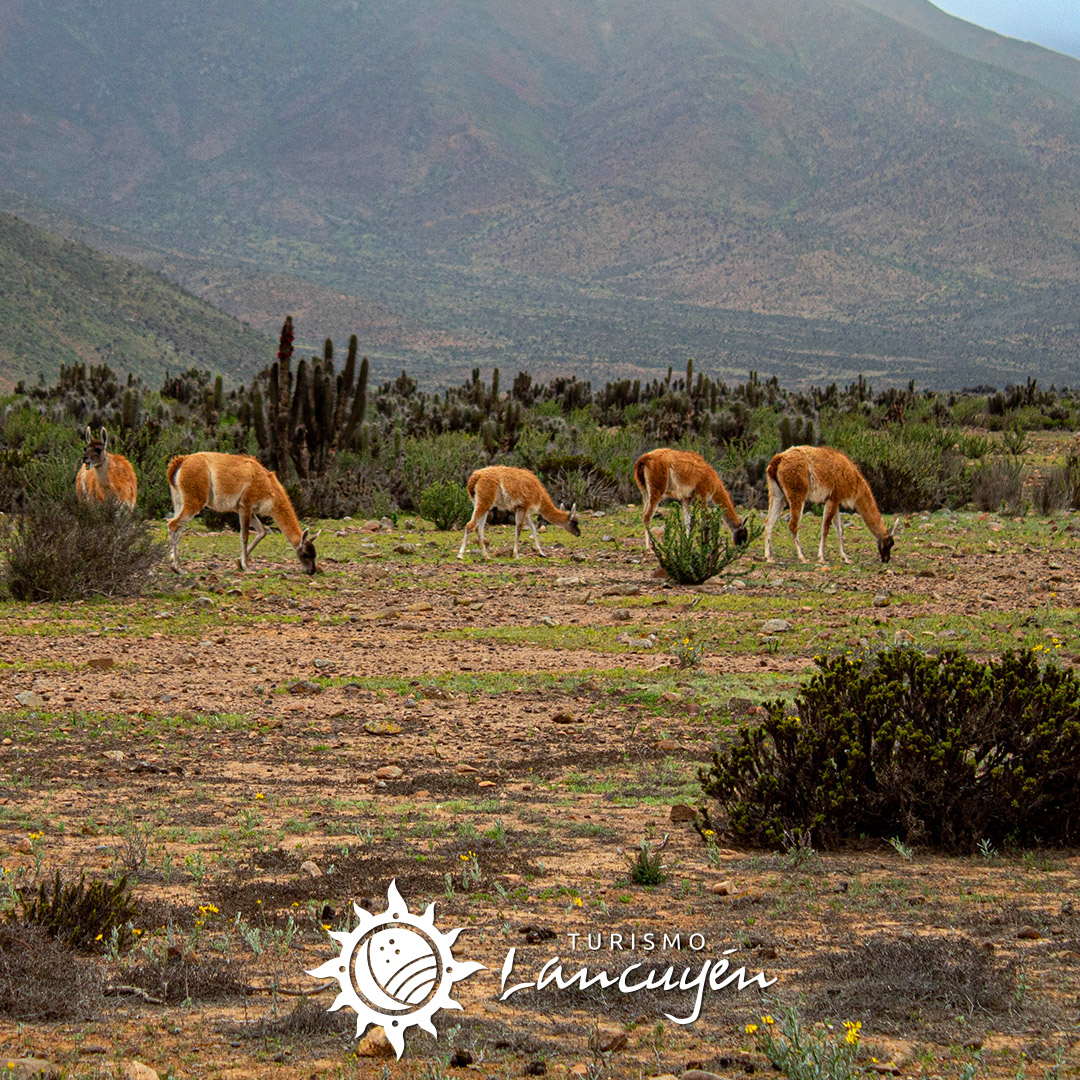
[[305, 551], [885, 544], [572, 526], [94, 454], [740, 535]]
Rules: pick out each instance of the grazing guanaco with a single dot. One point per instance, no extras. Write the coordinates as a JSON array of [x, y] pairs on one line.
[[506, 488], [684, 476], [234, 482], [822, 475], [104, 475]]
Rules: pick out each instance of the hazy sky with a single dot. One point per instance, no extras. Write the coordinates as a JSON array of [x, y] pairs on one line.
[[1053, 23]]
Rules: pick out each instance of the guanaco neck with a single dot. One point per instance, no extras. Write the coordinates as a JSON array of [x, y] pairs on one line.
[[722, 498], [867, 508], [551, 512], [285, 515]]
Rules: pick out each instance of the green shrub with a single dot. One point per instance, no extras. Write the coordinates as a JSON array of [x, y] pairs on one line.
[[78, 915], [446, 504], [695, 554], [939, 750], [805, 1053], [62, 549], [647, 868]]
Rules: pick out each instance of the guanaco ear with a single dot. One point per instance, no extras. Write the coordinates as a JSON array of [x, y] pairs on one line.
[[312, 538], [89, 434], [104, 437], [895, 526], [573, 510]]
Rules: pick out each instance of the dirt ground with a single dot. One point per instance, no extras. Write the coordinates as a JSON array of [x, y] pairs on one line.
[[259, 752]]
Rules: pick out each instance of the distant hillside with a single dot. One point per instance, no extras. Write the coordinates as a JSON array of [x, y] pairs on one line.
[[62, 302], [602, 185]]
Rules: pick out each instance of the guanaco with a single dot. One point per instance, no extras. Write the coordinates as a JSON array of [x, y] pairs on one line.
[[506, 488], [103, 475], [684, 476], [822, 475], [234, 482]]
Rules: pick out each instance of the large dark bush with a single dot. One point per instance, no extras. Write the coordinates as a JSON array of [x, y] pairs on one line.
[[940, 750], [59, 548]]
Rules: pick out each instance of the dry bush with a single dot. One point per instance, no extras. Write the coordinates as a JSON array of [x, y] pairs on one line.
[[59, 548], [43, 979]]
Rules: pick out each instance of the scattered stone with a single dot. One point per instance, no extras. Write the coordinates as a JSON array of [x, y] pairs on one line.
[[462, 769], [608, 1039], [114, 755], [534, 935], [881, 600], [671, 695], [136, 1070], [382, 727], [323, 664], [203, 601], [1029, 933], [405, 549], [30, 700], [776, 626], [682, 812], [416, 609], [622, 590], [536, 1068], [389, 772], [722, 888], [305, 686], [563, 718], [622, 615], [370, 526], [311, 868], [460, 1059], [100, 663], [375, 1044]]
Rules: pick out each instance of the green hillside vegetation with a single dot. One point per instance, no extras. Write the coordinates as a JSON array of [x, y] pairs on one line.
[[63, 303], [817, 191], [343, 447]]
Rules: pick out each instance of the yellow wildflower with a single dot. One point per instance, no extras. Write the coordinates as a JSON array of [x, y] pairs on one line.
[[751, 1028]]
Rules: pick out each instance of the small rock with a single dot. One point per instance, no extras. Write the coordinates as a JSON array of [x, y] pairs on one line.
[[305, 686], [460, 1059], [776, 626], [667, 745], [462, 769], [405, 549], [323, 664], [389, 772], [536, 1068], [881, 600], [1029, 933], [682, 812], [203, 601], [311, 868], [30, 700], [563, 718], [136, 1070], [671, 695], [113, 755], [382, 727], [722, 888], [375, 1044], [608, 1039], [100, 663], [622, 615]]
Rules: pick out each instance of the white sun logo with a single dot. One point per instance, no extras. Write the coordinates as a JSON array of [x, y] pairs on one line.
[[396, 969]]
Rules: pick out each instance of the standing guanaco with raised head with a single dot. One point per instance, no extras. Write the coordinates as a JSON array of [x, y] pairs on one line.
[[684, 476], [504, 488], [104, 475], [234, 482], [822, 475]]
